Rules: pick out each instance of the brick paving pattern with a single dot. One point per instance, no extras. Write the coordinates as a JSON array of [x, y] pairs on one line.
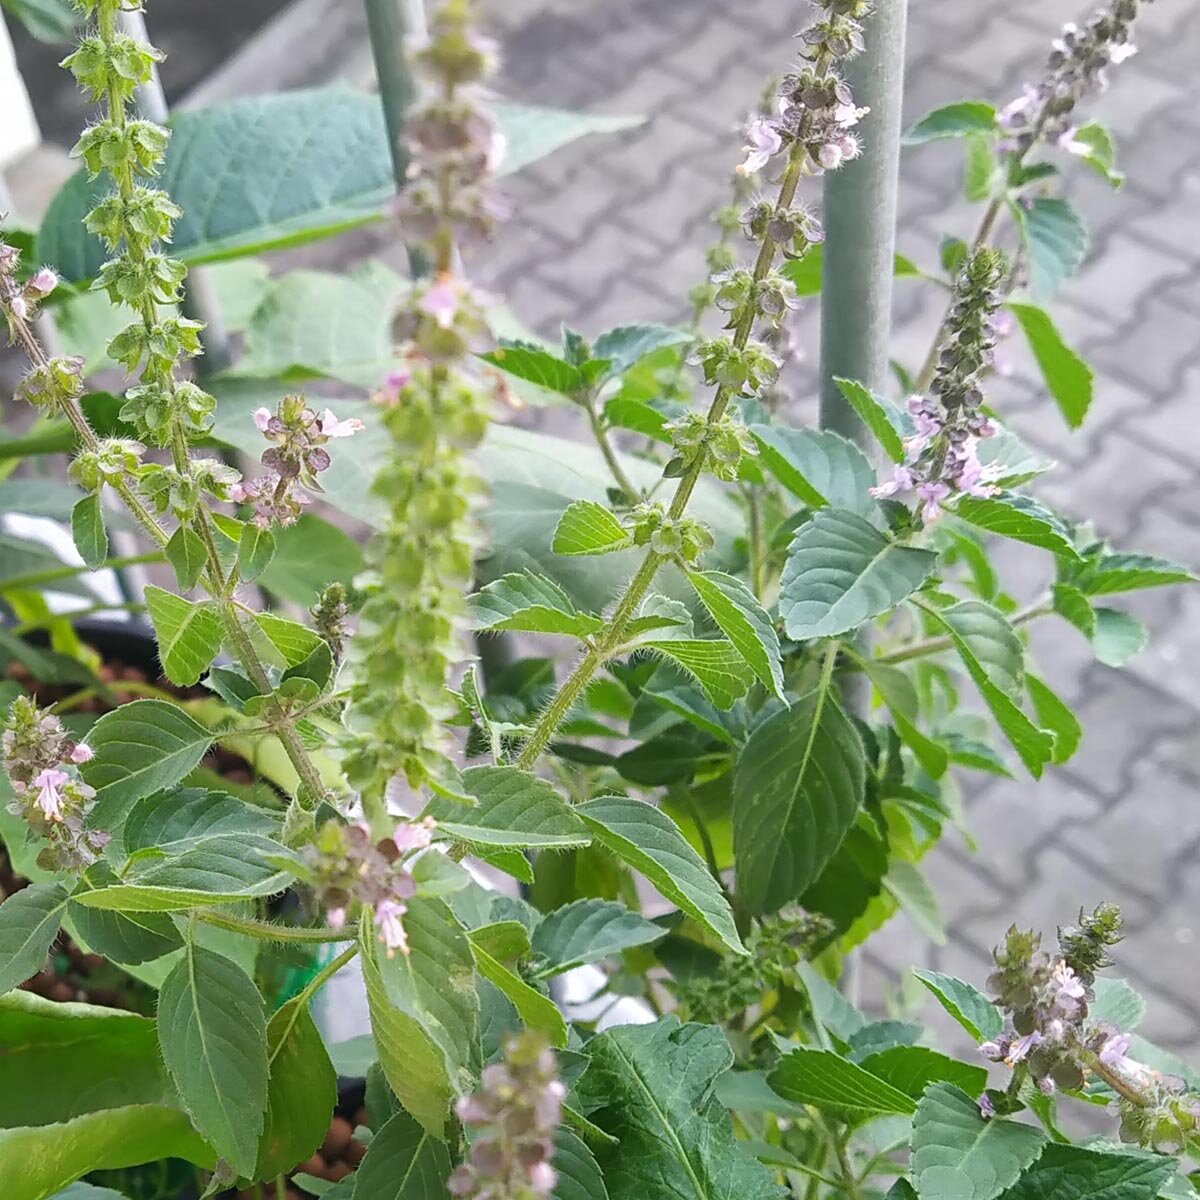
[[614, 230]]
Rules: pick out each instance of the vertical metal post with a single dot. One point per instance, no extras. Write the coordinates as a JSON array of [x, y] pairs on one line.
[[860, 226], [200, 300], [387, 23]]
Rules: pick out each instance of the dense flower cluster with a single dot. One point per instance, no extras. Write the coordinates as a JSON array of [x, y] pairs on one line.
[[514, 1116], [1078, 65], [942, 453], [348, 866], [413, 623], [40, 758]]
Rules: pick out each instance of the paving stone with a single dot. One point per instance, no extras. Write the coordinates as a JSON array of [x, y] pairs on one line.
[[1120, 278]]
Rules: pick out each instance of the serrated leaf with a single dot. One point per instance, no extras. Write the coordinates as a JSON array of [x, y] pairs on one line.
[[841, 572], [1101, 153], [128, 939], [1056, 242], [835, 1084], [650, 842], [536, 1010], [403, 1162], [957, 1155], [629, 344], [1077, 1173], [528, 603], [820, 467], [256, 548], [953, 120], [1010, 462], [1118, 1002], [1109, 574], [295, 642], [907, 886], [514, 809], [1068, 378], [878, 415], [140, 748], [174, 821], [589, 931], [579, 1175], [741, 618], [798, 784], [1073, 606], [965, 1003], [1054, 714], [715, 664], [651, 1087], [88, 532], [301, 1093], [29, 922], [899, 693], [589, 528], [214, 1042], [982, 173], [189, 635], [912, 1069], [186, 554], [424, 1011], [539, 367], [1021, 518]]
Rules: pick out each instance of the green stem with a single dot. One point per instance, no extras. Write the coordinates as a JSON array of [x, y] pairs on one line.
[[600, 433], [325, 974], [938, 645], [1115, 1080], [849, 1181], [267, 931], [280, 1187]]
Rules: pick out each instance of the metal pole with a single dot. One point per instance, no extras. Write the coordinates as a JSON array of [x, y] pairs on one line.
[[387, 23], [200, 299], [860, 227]]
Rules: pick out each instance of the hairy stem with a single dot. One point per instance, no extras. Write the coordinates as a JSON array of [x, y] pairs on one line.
[[267, 931], [600, 433], [937, 645]]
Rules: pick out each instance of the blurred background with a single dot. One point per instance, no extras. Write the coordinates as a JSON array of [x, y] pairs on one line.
[[613, 230]]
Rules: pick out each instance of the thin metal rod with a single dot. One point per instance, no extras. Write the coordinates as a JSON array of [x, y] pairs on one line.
[[387, 23], [200, 298], [860, 226]]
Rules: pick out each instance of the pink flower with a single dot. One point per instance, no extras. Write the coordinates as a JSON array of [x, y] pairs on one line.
[[838, 150], [82, 753], [441, 301], [901, 481], [497, 149], [762, 143], [1020, 1049], [43, 283], [847, 115], [238, 494], [932, 494], [331, 427], [19, 307], [992, 1051], [1009, 117], [389, 926], [49, 799], [987, 1109], [1113, 1052], [1069, 988], [262, 418], [413, 835], [336, 918], [542, 1178]]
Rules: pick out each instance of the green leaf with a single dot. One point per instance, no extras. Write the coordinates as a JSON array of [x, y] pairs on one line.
[[88, 532], [214, 1043], [1108, 574], [965, 1003], [820, 467], [186, 554], [878, 415], [957, 1155], [589, 931], [912, 1069], [994, 659], [53, 21], [579, 1175], [982, 173], [899, 693], [841, 572], [515, 810], [225, 165], [403, 1162], [798, 783], [836, 1085], [749, 1092], [1056, 241], [1021, 518], [309, 556], [1055, 715], [87, 1191], [189, 635], [256, 548], [715, 664], [539, 367], [629, 344], [301, 1092], [740, 617], [535, 1010], [29, 922], [425, 1011], [906, 885], [528, 603], [295, 642], [1067, 376], [177, 820], [1011, 461], [951, 121], [651, 1087], [1102, 151], [650, 842], [589, 528], [1118, 1002], [129, 939], [806, 272], [1077, 1173]]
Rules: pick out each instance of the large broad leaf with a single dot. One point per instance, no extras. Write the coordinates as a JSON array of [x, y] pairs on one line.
[[736, 610], [539, 367], [799, 782], [514, 809], [130, 939], [951, 121], [140, 748], [820, 467], [425, 1011], [1118, 1002], [965, 1003], [214, 1042], [957, 1155], [1056, 241], [912, 1069], [838, 1086], [177, 820], [403, 1162], [651, 1087], [528, 603], [29, 922], [1079, 1173], [301, 1093], [1012, 515], [189, 635], [650, 842], [579, 1175], [589, 931], [1068, 378], [277, 170], [715, 664], [536, 1010], [841, 571]]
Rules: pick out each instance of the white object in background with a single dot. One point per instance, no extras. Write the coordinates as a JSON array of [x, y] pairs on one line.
[[18, 127]]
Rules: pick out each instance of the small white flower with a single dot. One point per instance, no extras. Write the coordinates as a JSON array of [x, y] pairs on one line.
[[762, 143], [49, 799], [82, 753], [262, 418], [390, 927], [42, 283], [1020, 1049], [1122, 51], [331, 427]]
